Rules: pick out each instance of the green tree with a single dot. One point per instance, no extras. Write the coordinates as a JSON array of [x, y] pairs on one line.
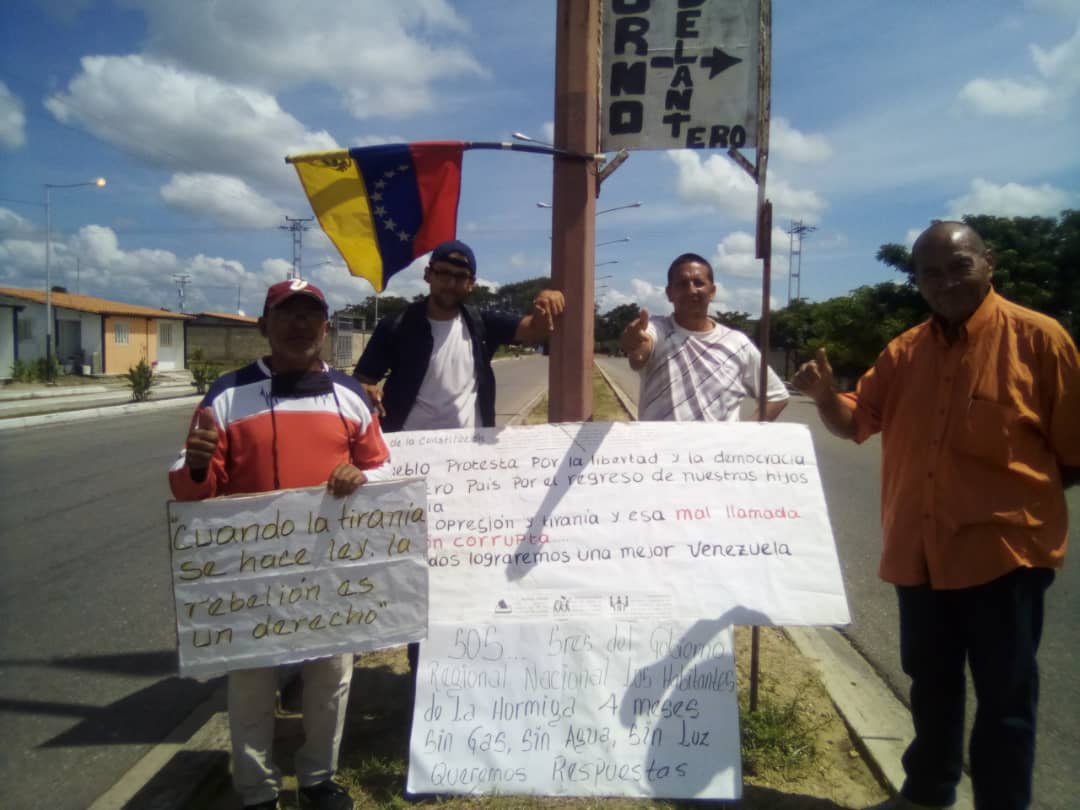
[[740, 321]]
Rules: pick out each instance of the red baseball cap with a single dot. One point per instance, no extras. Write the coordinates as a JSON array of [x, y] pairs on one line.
[[284, 290]]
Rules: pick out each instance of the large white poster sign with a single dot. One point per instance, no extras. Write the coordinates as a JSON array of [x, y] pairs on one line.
[[720, 521], [679, 75], [297, 574], [612, 706]]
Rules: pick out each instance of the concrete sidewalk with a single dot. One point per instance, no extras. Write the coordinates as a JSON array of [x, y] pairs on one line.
[[25, 405], [191, 766]]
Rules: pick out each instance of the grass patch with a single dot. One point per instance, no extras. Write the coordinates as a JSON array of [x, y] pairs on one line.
[[777, 738], [606, 406]]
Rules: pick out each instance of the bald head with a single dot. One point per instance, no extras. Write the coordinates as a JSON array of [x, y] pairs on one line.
[[953, 269], [948, 233]]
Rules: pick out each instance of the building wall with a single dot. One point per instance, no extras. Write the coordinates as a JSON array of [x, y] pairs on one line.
[[232, 345], [7, 341], [141, 343]]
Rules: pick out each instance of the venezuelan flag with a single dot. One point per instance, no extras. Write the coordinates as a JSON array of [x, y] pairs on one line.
[[382, 206]]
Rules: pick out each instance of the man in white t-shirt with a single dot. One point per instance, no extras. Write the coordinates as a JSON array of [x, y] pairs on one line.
[[694, 369], [435, 357]]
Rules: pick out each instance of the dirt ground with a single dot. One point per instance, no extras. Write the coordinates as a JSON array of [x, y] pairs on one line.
[[375, 746]]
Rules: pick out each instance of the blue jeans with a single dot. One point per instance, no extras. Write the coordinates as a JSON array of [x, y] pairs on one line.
[[996, 628]]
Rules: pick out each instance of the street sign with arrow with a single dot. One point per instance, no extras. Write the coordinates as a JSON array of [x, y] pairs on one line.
[[679, 74]]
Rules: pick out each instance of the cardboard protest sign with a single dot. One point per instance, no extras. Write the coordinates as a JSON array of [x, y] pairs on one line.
[[624, 706], [584, 578], [722, 519], [288, 576]]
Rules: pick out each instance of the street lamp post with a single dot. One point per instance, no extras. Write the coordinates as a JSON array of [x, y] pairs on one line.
[[48, 269], [602, 211]]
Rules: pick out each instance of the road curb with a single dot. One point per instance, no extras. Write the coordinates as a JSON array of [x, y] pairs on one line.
[[190, 766], [63, 417], [878, 721]]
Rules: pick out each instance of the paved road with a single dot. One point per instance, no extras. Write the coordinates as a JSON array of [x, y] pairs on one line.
[[851, 477], [87, 641]]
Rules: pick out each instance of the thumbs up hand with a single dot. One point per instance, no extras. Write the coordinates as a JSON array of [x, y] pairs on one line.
[[815, 378], [201, 441], [635, 335]]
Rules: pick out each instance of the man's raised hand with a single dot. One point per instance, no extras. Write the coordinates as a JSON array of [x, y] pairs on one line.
[[815, 378], [635, 334], [201, 441]]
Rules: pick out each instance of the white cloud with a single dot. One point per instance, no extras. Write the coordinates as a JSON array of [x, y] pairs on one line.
[[227, 200], [735, 255], [788, 143], [377, 140], [1010, 200], [12, 119], [184, 121], [1005, 97], [383, 58], [13, 224], [1059, 69], [718, 183], [1061, 64]]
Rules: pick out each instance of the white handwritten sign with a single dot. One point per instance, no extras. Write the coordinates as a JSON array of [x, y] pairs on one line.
[[678, 76], [620, 707], [721, 519], [298, 574]]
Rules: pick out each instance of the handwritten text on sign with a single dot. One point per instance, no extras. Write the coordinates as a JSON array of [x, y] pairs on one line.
[[680, 76], [288, 576], [727, 519], [612, 708]]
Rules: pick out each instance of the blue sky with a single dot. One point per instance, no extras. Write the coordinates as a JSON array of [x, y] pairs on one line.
[[885, 115]]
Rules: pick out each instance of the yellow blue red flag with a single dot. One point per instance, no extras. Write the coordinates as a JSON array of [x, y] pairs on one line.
[[383, 206]]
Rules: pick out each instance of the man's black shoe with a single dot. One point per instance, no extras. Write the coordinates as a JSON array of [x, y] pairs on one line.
[[269, 804], [328, 795]]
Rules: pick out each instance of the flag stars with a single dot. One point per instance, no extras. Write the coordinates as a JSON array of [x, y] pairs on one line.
[[404, 167], [389, 173], [376, 196], [380, 184], [380, 211]]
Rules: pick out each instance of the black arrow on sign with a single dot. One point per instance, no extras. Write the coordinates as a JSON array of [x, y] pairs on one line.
[[718, 62]]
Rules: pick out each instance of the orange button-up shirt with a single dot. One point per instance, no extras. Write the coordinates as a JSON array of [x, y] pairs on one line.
[[974, 434]]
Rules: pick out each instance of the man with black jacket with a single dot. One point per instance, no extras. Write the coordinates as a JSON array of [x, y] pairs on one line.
[[438, 351]]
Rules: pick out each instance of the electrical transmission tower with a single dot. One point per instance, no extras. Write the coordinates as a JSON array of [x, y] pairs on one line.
[[797, 230], [182, 280], [297, 227]]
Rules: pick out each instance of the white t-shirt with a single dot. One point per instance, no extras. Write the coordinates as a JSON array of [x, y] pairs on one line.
[[700, 376], [447, 397]]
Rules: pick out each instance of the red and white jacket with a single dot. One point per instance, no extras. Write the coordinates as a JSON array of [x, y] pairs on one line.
[[297, 440]]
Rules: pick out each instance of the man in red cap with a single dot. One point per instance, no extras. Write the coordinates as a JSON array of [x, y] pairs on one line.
[[287, 420]]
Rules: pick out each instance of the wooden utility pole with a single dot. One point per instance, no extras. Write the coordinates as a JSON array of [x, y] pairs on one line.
[[573, 213]]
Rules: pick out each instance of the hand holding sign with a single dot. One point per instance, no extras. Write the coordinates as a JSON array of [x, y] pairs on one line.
[[201, 441]]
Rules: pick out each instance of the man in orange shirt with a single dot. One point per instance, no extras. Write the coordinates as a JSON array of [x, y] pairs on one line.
[[978, 410]]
